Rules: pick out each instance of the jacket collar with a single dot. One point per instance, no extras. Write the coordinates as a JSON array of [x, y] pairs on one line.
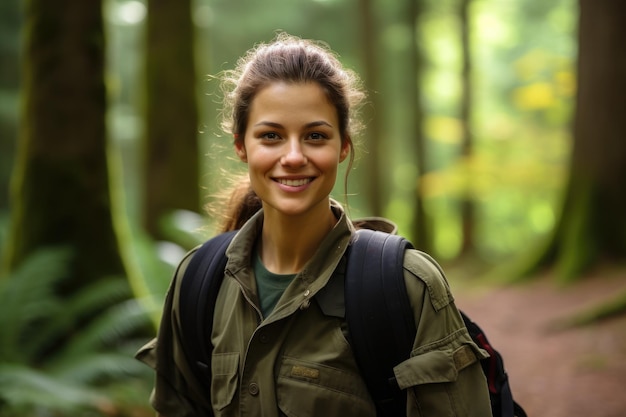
[[317, 270]]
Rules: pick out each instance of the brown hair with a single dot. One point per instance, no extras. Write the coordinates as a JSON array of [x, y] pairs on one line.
[[241, 204], [290, 59]]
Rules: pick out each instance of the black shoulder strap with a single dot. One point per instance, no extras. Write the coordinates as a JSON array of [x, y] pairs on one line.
[[378, 314], [381, 325], [198, 293]]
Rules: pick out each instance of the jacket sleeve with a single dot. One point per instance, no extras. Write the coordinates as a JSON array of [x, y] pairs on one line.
[[175, 391], [443, 376]]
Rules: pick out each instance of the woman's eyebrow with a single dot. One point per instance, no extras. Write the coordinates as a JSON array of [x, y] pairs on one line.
[[270, 124], [318, 123], [308, 125]]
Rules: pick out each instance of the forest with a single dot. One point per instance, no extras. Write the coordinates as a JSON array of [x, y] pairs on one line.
[[494, 139]]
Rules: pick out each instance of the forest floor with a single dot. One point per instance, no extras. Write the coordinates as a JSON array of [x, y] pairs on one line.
[[571, 372]]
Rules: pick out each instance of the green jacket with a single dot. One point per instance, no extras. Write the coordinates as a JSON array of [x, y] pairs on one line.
[[297, 361]]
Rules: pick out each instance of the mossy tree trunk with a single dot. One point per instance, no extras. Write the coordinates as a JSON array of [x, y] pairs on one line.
[[592, 226], [10, 24], [171, 152], [467, 205], [371, 113], [421, 233], [60, 185]]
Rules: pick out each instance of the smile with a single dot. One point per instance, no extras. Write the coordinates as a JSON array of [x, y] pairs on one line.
[[294, 183]]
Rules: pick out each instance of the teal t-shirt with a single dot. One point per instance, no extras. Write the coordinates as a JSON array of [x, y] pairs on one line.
[[270, 286]]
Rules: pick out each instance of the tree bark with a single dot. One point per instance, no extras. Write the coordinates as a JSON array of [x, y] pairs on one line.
[[467, 140], [10, 24], [422, 231], [171, 168], [371, 113], [60, 186], [592, 226]]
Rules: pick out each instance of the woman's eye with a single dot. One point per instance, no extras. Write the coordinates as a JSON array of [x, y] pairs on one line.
[[317, 136], [270, 136]]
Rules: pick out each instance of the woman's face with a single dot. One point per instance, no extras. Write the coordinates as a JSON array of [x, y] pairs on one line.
[[292, 147]]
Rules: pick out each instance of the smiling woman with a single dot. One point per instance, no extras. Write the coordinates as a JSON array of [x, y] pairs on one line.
[[293, 148], [279, 342]]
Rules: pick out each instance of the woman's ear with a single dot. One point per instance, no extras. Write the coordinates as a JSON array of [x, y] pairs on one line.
[[240, 150], [345, 149]]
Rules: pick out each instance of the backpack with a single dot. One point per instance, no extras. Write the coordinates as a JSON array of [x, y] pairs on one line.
[[377, 311]]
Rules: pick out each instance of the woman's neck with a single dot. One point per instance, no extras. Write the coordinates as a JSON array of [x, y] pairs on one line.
[[289, 242]]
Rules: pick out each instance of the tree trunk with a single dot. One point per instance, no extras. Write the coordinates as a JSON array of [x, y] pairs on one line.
[[467, 203], [371, 113], [416, 143], [592, 226], [171, 140], [60, 186], [10, 24]]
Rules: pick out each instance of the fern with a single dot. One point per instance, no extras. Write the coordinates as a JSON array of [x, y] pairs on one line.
[[104, 331], [23, 387], [84, 303], [27, 298], [92, 367]]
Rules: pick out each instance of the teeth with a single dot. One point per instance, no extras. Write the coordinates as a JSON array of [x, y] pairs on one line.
[[294, 183]]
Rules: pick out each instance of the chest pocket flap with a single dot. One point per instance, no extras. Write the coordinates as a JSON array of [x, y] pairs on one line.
[[436, 366]]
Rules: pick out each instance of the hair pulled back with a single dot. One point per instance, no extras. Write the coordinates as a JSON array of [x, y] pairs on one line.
[[293, 60]]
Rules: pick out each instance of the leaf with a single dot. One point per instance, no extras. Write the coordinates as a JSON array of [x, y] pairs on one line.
[[27, 299], [23, 387]]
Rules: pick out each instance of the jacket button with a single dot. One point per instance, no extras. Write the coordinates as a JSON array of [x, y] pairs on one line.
[[253, 389], [264, 338]]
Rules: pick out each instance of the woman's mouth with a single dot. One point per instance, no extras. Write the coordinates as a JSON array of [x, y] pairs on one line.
[[294, 182]]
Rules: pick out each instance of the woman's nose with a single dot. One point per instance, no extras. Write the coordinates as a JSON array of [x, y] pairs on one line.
[[294, 154]]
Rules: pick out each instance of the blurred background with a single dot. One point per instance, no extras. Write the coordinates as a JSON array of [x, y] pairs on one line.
[[494, 139]]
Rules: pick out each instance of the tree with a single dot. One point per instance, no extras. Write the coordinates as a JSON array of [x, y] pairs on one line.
[[371, 74], [60, 186], [467, 140], [416, 143], [592, 225], [171, 173], [10, 23]]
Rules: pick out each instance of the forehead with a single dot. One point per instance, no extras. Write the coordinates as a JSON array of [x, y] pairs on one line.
[[292, 99]]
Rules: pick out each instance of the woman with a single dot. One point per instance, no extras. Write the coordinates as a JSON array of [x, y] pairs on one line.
[[278, 349]]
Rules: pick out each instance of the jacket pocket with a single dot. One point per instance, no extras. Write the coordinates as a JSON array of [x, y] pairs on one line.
[[437, 381], [225, 370], [311, 389]]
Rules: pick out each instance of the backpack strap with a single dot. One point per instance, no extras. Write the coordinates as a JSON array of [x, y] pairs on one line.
[[198, 293], [382, 328], [378, 314]]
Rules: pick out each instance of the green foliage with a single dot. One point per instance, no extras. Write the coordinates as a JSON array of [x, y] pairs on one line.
[[523, 92], [27, 298], [45, 372], [185, 228], [153, 264]]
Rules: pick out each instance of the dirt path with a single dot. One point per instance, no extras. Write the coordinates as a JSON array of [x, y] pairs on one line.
[[571, 373]]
